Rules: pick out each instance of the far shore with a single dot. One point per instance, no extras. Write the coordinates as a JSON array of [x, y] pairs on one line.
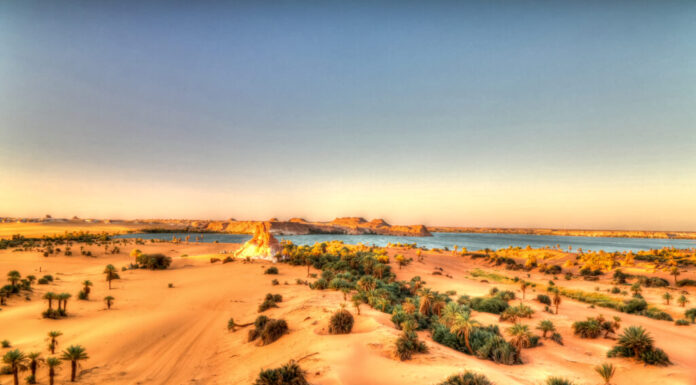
[[42, 227]]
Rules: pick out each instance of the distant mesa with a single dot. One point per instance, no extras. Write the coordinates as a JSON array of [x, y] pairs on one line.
[[300, 226]]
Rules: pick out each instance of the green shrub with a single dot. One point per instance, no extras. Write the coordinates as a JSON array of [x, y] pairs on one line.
[[273, 330], [636, 342], [686, 282], [652, 281], [587, 329], [682, 322], [269, 330], [634, 306], [341, 322], [691, 314], [408, 344], [266, 304], [275, 282], [467, 378], [153, 261], [6, 344], [558, 381], [493, 305], [271, 270], [543, 298], [655, 356], [557, 338], [288, 374], [43, 281], [270, 301]]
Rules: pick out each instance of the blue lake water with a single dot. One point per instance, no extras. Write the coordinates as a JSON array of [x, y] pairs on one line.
[[472, 241]]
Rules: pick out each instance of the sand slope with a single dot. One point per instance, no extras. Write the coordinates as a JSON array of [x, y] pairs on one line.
[[160, 335]]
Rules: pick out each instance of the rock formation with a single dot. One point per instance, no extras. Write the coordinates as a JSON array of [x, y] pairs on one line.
[[262, 246]]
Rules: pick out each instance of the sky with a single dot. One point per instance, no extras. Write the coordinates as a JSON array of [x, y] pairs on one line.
[[489, 113]]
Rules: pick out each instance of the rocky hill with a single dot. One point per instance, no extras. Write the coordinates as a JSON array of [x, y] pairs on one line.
[[298, 226]]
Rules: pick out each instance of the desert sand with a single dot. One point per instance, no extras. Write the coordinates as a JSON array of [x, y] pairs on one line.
[[156, 334]]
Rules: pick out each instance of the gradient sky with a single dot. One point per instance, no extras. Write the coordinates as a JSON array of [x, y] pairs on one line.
[[491, 113]]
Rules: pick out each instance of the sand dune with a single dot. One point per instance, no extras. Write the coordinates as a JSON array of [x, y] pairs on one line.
[[160, 335]]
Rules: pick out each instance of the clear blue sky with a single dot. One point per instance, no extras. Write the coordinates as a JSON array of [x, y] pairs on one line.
[[491, 113]]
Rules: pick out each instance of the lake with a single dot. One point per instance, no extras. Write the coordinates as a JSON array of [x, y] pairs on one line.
[[472, 241]]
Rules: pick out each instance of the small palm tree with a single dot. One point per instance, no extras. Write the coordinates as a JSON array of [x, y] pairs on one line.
[[667, 297], [461, 327], [523, 287], [53, 363], [521, 336], [50, 297], [16, 361], [74, 354], [64, 297], [682, 300], [636, 339], [606, 371], [86, 288], [675, 272], [53, 340], [426, 300], [557, 299], [546, 326], [111, 274], [35, 360], [109, 301], [356, 304], [14, 277]]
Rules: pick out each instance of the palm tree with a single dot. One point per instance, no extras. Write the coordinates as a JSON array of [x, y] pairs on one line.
[[682, 300], [426, 300], [520, 335], [556, 299], [636, 339], [448, 313], [461, 327], [109, 301], [438, 304], [53, 363], [606, 371], [74, 354], [53, 340], [667, 297], [356, 304], [64, 297], [14, 277], [35, 361], [86, 284], [675, 272], [50, 296], [111, 274], [4, 294], [308, 262], [523, 287], [16, 361], [546, 326], [367, 283]]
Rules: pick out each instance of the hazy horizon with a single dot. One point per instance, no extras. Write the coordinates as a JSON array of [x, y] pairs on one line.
[[577, 115]]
